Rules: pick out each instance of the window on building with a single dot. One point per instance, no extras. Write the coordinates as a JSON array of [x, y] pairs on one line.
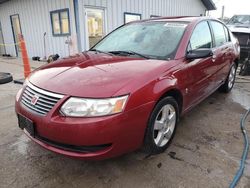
[[201, 37], [129, 17], [219, 33], [60, 22]]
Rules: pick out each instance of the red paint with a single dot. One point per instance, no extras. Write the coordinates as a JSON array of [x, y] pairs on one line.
[[94, 75]]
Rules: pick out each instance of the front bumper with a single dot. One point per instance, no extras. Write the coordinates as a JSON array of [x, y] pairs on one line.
[[89, 138]]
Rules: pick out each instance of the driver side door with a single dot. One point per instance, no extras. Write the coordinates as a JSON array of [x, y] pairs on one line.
[[201, 72]]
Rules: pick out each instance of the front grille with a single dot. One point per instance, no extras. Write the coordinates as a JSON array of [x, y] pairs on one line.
[[38, 100]]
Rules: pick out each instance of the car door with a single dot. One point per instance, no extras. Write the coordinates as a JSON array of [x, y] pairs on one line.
[[201, 71], [222, 51]]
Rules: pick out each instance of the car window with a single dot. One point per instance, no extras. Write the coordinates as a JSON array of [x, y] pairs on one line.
[[201, 37], [219, 33], [240, 20], [154, 39], [227, 34]]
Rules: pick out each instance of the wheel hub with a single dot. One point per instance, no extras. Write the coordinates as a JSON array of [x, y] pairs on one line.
[[164, 125], [231, 77]]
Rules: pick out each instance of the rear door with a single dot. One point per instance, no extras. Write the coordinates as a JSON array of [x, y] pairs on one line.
[[201, 71], [222, 51]]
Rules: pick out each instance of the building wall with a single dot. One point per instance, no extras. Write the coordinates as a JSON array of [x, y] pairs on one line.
[[35, 19]]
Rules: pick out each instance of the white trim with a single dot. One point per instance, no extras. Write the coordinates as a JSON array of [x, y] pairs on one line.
[[44, 92]]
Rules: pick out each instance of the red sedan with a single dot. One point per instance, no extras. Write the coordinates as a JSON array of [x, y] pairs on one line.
[[130, 89]]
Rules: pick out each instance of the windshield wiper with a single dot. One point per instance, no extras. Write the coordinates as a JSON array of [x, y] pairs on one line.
[[99, 51], [129, 53]]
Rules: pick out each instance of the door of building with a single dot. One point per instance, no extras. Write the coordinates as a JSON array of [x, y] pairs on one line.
[[16, 29], [2, 47], [95, 25]]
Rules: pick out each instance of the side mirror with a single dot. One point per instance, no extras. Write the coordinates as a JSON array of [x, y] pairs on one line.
[[199, 53]]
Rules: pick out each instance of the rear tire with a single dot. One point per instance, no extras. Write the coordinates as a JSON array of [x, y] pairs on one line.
[[161, 126], [229, 83]]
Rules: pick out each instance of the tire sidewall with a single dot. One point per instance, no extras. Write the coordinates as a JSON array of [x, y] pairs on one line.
[[7, 77], [149, 142]]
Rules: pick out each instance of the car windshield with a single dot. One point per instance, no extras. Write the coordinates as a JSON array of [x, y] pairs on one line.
[[155, 39], [240, 20]]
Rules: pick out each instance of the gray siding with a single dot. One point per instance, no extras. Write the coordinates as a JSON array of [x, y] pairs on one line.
[[116, 8], [35, 19]]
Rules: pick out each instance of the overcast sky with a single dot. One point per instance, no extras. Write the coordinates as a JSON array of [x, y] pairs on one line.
[[231, 7]]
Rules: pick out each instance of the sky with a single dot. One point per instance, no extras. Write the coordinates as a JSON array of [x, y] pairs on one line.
[[232, 7]]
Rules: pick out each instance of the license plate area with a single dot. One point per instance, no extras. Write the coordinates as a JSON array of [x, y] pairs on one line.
[[27, 124]]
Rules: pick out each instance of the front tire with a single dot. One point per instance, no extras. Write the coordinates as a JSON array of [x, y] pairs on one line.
[[161, 126], [229, 83]]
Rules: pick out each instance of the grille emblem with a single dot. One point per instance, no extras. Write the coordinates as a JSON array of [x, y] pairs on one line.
[[34, 100]]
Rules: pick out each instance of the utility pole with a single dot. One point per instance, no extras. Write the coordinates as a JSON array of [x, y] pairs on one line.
[[222, 12]]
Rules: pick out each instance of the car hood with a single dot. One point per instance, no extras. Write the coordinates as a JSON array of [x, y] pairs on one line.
[[240, 28], [92, 75]]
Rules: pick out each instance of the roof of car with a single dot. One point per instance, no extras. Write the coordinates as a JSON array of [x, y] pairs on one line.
[[177, 18]]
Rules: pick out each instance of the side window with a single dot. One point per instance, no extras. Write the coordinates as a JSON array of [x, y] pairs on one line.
[[219, 33], [201, 37], [227, 34]]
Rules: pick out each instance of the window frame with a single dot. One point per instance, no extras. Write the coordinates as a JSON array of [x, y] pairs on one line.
[[227, 35], [130, 13], [59, 11]]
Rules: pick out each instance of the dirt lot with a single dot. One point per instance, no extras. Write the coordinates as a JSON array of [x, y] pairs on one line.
[[205, 152]]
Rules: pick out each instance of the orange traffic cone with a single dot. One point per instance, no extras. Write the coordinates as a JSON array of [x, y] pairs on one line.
[[26, 64]]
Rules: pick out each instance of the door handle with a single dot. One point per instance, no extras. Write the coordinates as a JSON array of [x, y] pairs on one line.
[[214, 58]]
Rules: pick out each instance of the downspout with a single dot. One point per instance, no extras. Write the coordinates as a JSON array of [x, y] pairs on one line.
[[77, 24]]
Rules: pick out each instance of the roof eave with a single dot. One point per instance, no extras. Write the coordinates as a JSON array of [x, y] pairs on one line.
[[209, 4], [3, 1]]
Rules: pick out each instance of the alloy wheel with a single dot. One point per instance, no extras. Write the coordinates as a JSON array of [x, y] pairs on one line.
[[164, 125], [231, 77]]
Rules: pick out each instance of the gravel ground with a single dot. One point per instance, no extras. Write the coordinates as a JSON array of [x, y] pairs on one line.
[[205, 152]]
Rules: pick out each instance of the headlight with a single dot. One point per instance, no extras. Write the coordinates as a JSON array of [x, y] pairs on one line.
[[82, 107]]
